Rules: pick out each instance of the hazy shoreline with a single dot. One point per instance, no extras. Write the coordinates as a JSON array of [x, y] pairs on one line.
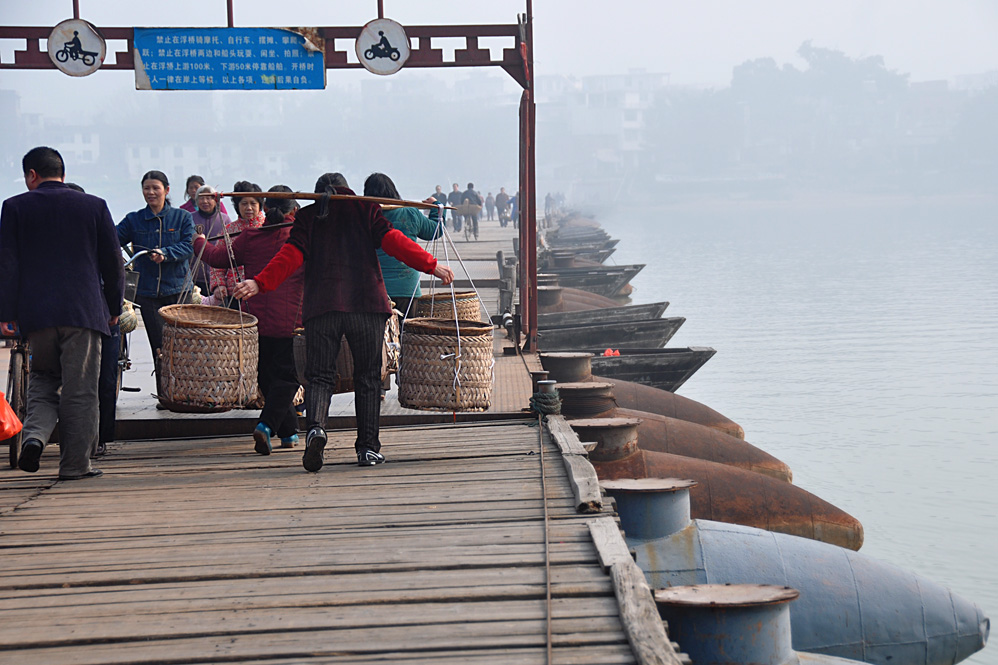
[[799, 201]]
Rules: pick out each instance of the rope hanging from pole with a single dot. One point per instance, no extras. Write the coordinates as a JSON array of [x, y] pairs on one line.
[[452, 354], [188, 290]]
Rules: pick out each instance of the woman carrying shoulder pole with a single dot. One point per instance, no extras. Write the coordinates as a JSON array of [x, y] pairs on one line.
[[344, 294], [401, 281], [249, 211], [278, 313]]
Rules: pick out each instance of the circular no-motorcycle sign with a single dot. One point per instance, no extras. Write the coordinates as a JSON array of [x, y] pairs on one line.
[[382, 46], [76, 48]]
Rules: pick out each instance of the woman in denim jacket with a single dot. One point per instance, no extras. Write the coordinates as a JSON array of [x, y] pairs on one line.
[[168, 234]]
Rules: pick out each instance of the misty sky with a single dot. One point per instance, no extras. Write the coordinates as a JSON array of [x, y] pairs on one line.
[[696, 42]]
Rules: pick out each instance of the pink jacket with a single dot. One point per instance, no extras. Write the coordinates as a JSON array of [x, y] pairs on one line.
[[229, 277]]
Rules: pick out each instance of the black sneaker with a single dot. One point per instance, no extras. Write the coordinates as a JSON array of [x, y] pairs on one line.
[[92, 473], [315, 443], [368, 457], [31, 452]]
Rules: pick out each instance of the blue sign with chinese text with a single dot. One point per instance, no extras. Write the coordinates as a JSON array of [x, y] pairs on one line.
[[227, 59]]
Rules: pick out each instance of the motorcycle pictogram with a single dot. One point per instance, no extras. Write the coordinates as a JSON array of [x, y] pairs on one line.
[[382, 49], [73, 49]]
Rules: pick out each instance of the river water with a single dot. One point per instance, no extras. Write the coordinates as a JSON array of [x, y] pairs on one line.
[[857, 340]]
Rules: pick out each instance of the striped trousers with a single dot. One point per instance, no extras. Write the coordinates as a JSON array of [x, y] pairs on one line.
[[365, 331]]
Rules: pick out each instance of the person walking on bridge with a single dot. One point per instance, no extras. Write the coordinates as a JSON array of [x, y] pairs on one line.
[[167, 233], [472, 198], [454, 200], [61, 284], [278, 314], [344, 295], [502, 205]]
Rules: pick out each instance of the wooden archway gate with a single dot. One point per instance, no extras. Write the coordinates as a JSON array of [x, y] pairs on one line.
[[516, 61]]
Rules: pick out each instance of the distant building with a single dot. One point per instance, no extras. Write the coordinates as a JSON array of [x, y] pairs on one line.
[[977, 82]]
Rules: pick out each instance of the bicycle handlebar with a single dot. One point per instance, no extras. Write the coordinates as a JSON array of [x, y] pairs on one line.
[[136, 255]]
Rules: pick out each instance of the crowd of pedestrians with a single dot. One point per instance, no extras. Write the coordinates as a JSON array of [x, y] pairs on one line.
[[469, 203], [322, 267]]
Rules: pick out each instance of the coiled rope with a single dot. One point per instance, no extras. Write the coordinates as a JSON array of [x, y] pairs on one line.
[[544, 404]]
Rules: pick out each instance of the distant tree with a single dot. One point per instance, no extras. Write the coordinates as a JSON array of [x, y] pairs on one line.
[[974, 143], [695, 132], [834, 74], [823, 120], [763, 78]]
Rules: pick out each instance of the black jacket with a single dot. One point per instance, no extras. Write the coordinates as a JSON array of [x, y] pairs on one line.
[[57, 245]]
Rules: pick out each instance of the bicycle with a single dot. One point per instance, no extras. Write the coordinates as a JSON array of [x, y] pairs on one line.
[[471, 228], [470, 212], [124, 361], [17, 391]]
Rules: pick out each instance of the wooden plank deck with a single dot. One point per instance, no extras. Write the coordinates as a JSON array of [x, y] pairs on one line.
[[481, 272], [200, 551], [491, 239], [138, 416]]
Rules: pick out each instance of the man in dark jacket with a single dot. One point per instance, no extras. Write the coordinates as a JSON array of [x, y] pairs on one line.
[[57, 246], [502, 205], [440, 198], [454, 200], [472, 198]]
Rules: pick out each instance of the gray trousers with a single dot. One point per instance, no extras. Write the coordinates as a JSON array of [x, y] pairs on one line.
[[67, 358], [365, 331]]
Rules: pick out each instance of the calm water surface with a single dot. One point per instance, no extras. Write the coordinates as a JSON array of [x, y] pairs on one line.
[[858, 342]]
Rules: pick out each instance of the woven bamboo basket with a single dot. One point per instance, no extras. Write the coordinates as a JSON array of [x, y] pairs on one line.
[[468, 209], [441, 306], [127, 321], [344, 361], [209, 358], [429, 361]]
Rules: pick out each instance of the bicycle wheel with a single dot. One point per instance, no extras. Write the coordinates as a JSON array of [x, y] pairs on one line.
[[62, 56], [124, 364], [122, 361], [17, 397], [89, 59]]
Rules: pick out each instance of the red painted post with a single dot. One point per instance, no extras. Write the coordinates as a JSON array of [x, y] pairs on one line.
[[527, 202], [528, 196], [523, 267], [231, 20]]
